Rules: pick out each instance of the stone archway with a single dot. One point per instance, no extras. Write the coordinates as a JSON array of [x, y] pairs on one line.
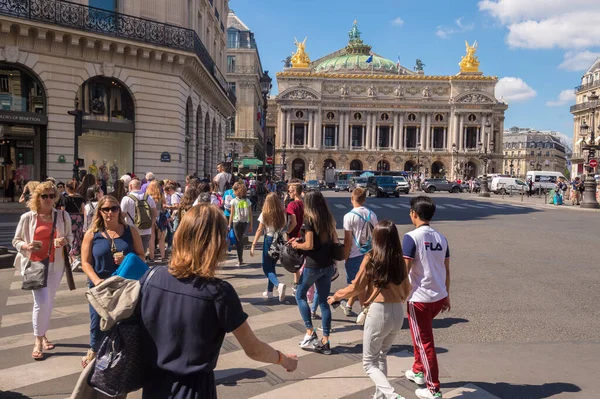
[[298, 168], [438, 170], [200, 139], [189, 114], [383, 166], [410, 166], [207, 144], [356, 164], [471, 170]]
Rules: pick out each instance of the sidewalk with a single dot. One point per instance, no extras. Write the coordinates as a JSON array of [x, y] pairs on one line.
[[524, 200], [12, 207]]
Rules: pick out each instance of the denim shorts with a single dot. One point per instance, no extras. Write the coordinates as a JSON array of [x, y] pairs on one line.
[[352, 267]]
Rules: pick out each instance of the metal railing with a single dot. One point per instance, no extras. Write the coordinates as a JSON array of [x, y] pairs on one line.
[[110, 23], [585, 105], [586, 86]]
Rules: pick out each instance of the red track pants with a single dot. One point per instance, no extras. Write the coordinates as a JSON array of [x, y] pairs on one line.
[[420, 318]]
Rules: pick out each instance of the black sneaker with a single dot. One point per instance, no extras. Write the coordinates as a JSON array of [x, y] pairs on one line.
[[320, 347]]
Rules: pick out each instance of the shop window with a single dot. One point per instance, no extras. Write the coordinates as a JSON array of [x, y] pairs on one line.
[[20, 92], [104, 99]]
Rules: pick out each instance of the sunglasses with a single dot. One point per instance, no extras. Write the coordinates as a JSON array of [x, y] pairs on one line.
[[46, 196], [113, 209]]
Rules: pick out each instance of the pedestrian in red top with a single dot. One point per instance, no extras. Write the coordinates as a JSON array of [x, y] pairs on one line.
[[295, 212]]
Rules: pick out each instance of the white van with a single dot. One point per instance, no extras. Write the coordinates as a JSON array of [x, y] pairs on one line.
[[505, 185], [544, 179]]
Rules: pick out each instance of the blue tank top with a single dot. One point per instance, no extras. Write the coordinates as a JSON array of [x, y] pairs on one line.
[[103, 262]]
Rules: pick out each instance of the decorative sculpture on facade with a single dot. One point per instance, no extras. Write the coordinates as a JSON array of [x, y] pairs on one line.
[[419, 65], [426, 92], [399, 91], [371, 91], [474, 98], [354, 34], [287, 63], [344, 90], [300, 59], [311, 165], [470, 63]]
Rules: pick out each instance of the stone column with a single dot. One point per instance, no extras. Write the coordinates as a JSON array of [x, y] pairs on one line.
[[318, 130], [374, 128], [401, 134], [335, 136], [363, 138], [281, 126], [422, 130], [428, 141], [377, 137], [461, 133], [288, 128], [310, 130], [344, 133], [322, 136], [395, 141], [405, 137], [455, 131], [368, 132], [445, 145], [482, 131]]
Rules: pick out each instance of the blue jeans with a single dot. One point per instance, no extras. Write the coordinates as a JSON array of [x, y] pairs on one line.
[[321, 278], [96, 334], [352, 267], [268, 265]]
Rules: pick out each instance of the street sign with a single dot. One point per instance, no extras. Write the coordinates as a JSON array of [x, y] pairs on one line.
[[269, 160], [593, 163]]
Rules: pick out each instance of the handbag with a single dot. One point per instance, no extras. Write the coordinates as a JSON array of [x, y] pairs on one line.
[[231, 237], [119, 367], [362, 316], [35, 275], [276, 246], [337, 251], [291, 259]]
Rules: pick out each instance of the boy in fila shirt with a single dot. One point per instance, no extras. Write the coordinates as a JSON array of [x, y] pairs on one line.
[[427, 258]]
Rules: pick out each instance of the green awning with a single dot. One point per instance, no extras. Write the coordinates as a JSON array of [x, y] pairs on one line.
[[249, 163]]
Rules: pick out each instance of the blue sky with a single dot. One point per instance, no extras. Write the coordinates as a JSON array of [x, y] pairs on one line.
[[540, 47]]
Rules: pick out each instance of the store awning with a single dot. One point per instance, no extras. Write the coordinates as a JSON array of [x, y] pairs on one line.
[[251, 163]]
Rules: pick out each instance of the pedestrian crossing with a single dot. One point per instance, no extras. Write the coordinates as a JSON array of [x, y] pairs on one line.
[[463, 206], [339, 376]]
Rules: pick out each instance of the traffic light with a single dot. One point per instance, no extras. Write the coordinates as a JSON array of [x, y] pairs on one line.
[[78, 114], [79, 163]]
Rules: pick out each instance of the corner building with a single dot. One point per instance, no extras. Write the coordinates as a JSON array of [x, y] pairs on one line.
[[344, 112], [147, 76]]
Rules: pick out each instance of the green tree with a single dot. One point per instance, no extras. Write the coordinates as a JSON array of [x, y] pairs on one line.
[[567, 173]]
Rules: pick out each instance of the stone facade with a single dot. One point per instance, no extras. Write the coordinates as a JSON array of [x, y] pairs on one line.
[[528, 149], [590, 83], [349, 113], [179, 105], [244, 71]]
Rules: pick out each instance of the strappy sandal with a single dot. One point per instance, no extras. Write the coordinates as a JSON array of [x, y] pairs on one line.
[[47, 345], [87, 359], [37, 353]]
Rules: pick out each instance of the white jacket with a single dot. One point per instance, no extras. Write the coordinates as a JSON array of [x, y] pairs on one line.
[[26, 230]]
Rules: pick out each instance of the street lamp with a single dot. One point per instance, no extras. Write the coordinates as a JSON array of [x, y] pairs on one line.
[[512, 171], [589, 195], [265, 88], [483, 155], [454, 151], [418, 182]]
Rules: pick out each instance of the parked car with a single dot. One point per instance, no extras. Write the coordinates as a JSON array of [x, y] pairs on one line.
[[312, 185], [356, 182], [504, 185], [382, 186], [402, 184], [341, 185], [464, 186], [433, 185]]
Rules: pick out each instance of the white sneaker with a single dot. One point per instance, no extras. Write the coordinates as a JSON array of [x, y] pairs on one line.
[[281, 288], [425, 393], [267, 294], [239, 263], [309, 340], [417, 378]]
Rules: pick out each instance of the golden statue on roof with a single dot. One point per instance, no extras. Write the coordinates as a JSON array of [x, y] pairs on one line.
[[300, 59], [470, 63]]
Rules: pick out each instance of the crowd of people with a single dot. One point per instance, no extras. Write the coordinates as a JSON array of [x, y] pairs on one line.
[[190, 227]]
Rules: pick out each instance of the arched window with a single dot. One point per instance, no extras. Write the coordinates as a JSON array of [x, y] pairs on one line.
[[383, 166]]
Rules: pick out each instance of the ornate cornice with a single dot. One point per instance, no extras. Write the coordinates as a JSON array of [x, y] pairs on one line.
[[383, 77]]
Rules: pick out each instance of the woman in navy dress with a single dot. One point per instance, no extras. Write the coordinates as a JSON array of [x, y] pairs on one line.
[[186, 312]]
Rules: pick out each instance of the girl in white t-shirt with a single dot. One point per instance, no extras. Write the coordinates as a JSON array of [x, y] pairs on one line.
[[94, 194], [271, 220]]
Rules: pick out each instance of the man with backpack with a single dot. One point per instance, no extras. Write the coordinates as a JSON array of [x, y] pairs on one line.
[[358, 232], [140, 212]]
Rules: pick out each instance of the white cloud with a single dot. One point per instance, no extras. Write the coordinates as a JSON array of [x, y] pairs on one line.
[[578, 61], [444, 32], [514, 89], [565, 97], [397, 22], [534, 24]]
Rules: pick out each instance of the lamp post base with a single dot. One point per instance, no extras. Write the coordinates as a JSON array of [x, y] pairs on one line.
[[589, 195], [485, 190], [418, 185]]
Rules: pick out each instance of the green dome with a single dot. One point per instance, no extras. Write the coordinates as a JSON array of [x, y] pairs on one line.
[[356, 63]]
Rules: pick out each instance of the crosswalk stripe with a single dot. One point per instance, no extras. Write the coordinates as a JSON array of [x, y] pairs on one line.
[[390, 206], [53, 367], [237, 362], [77, 277], [469, 391], [57, 313], [328, 384], [404, 206], [455, 206], [340, 206], [57, 334], [440, 206], [373, 206], [474, 206], [495, 206]]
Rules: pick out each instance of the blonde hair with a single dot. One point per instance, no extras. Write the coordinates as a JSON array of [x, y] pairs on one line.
[[98, 221], [31, 186], [359, 195], [273, 214], [240, 190], [199, 243], [153, 190], [34, 202]]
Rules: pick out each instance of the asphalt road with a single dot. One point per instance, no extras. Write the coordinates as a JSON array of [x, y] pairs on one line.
[[524, 320]]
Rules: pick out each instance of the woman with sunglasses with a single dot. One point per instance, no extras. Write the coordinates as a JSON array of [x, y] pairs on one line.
[[104, 247], [40, 235]]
